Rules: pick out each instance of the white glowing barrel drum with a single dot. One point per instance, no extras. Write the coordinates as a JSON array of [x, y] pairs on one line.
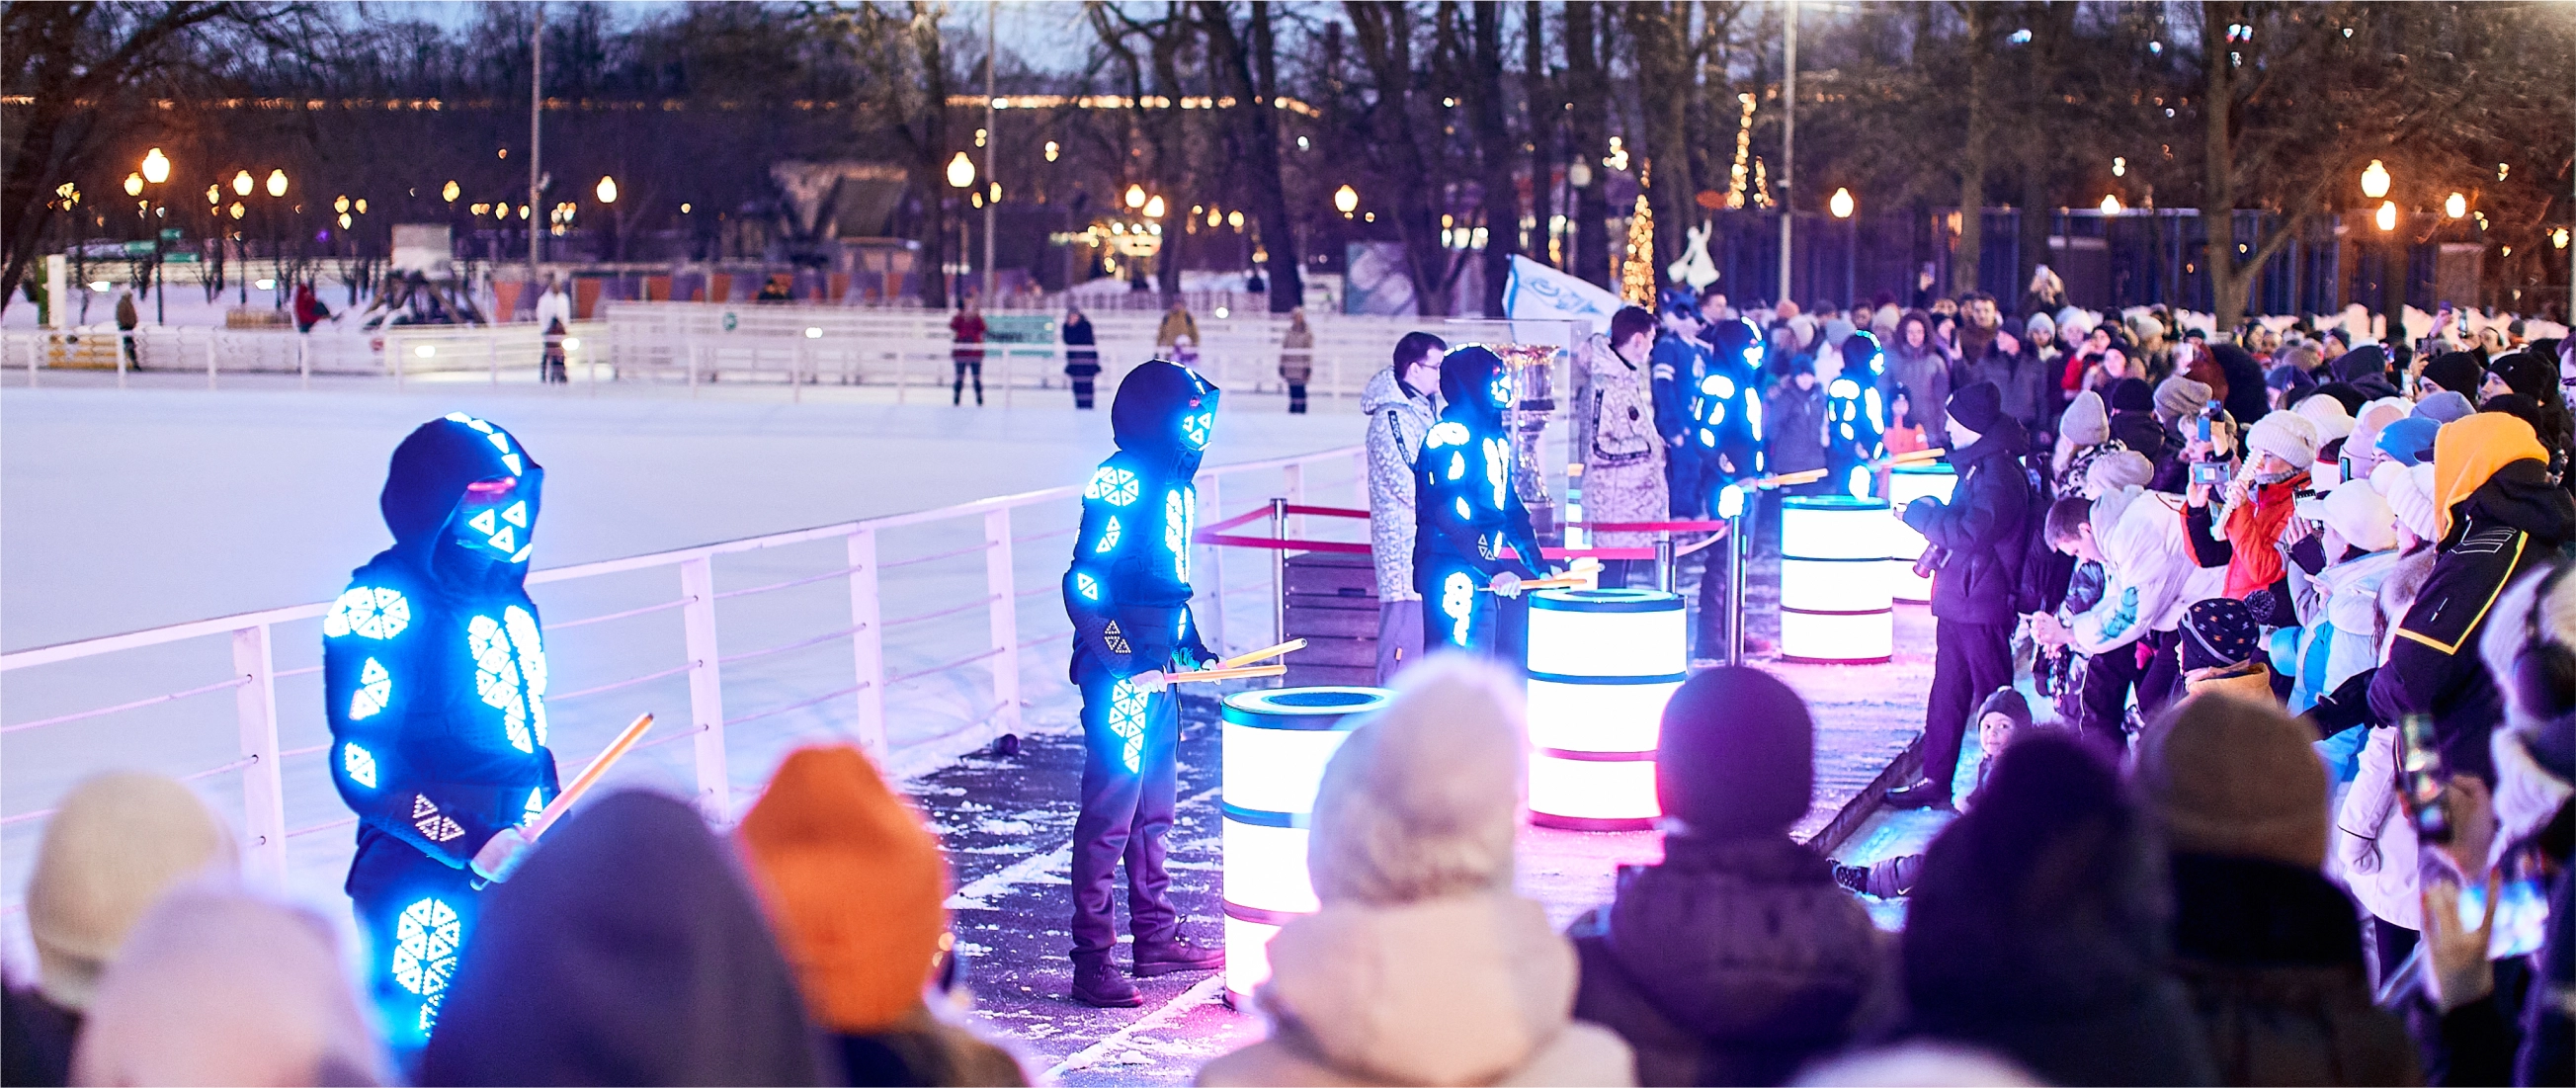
[[1276, 743], [1906, 483], [1602, 663], [1835, 604]]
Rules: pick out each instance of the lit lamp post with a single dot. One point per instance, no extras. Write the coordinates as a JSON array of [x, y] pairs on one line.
[[1842, 206], [276, 186], [2392, 282], [606, 191], [156, 170], [1346, 200], [961, 177]]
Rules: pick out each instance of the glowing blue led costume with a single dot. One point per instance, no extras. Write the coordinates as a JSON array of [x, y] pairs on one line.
[[1856, 417], [1128, 593], [1726, 407], [1466, 506], [434, 682]]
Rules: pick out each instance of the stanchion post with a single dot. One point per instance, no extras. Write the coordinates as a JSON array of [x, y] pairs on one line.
[[263, 787], [706, 687], [867, 644], [1279, 570], [1005, 613], [1664, 560], [1738, 554]]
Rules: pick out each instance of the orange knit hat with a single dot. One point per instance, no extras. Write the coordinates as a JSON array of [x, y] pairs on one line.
[[854, 884], [2468, 451]]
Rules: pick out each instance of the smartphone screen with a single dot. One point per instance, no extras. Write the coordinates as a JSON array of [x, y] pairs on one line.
[[2420, 778], [2521, 917]]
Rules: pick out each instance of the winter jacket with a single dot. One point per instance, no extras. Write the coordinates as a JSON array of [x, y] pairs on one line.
[[627, 951], [2341, 636], [2029, 394], [1982, 530], [554, 306], [1925, 374], [2510, 522], [1128, 589], [2271, 956], [1733, 962], [2150, 577], [1677, 363], [1623, 471], [2374, 841], [1176, 324], [1795, 418], [1296, 355], [1398, 418], [2247, 396], [1081, 357], [1470, 508], [1472, 989]]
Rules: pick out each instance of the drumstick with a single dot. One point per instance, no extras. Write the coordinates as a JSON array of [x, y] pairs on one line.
[[1917, 455], [1265, 653], [589, 776], [1207, 675], [1561, 582]]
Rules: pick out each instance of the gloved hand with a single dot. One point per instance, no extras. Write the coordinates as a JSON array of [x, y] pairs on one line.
[[1506, 585], [1150, 681], [501, 855]]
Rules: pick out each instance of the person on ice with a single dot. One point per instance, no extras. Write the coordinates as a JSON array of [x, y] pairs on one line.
[[1128, 593], [434, 683], [1470, 509], [1856, 420]]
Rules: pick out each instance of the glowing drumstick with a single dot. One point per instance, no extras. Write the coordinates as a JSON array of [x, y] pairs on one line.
[[589, 777], [1263, 654], [1209, 675]]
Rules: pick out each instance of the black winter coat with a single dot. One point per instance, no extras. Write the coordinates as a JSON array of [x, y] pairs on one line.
[[2271, 956], [1730, 963], [1984, 529]]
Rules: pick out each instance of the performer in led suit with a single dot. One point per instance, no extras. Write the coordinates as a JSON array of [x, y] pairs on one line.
[[434, 683], [1726, 428], [1128, 593], [1856, 418], [1467, 508]]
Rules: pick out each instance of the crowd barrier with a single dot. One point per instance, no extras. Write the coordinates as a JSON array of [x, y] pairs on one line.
[[402, 353], [858, 709]]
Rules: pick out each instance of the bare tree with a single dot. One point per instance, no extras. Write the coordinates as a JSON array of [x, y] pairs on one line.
[[1247, 69]]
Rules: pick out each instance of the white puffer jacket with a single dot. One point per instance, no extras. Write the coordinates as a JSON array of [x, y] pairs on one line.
[[2150, 577], [1398, 418], [2374, 842]]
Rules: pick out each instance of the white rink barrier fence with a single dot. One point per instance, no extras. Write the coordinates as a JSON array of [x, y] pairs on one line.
[[960, 575], [696, 343]]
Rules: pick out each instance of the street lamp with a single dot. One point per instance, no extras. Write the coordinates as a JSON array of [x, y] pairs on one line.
[[451, 191], [2456, 206], [1135, 196], [2387, 217], [607, 189], [2111, 204], [961, 172], [156, 166], [277, 183], [2374, 180], [1842, 205], [134, 185], [1154, 208], [241, 183], [1346, 200]]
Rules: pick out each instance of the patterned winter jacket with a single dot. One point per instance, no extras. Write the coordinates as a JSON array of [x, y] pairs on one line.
[[1398, 418]]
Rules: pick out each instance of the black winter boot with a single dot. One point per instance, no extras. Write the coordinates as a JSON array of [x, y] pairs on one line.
[[1925, 794], [1097, 983], [1167, 956]]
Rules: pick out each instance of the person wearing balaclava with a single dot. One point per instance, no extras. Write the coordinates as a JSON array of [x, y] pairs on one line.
[[1737, 959], [1979, 537], [1128, 593], [1856, 418], [434, 684], [1727, 429], [1470, 507]]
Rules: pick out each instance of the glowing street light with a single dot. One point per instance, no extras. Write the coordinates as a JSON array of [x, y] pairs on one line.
[[1053, 149], [241, 183], [961, 172], [2387, 217], [215, 195], [1346, 200], [2374, 180], [2111, 204], [2456, 206], [451, 191], [134, 185], [607, 189], [1135, 196], [156, 166], [277, 183], [341, 205], [1841, 204], [236, 210], [1154, 208]]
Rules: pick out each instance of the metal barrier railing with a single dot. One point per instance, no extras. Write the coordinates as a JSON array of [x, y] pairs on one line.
[[254, 674]]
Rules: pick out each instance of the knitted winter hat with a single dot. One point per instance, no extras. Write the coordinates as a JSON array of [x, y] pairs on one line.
[[2234, 777], [2360, 364], [2327, 414], [2290, 379], [2007, 702], [2181, 398], [2217, 632], [1977, 406], [118, 842], [2286, 435], [2409, 491], [2409, 441], [2528, 374], [1424, 799], [2132, 395], [2040, 326], [826, 827], [2125, 469], [2086, 422], [1737, 757], [2361, 517], [216, 986], [2456, 372], [2445, 407]]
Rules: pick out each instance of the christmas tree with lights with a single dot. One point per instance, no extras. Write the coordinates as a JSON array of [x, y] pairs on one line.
[[1637, 272]]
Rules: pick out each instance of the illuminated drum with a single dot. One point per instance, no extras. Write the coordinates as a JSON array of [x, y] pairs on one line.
[[1835, 604], [1276, 743], [1602, 662], [1906, 483]]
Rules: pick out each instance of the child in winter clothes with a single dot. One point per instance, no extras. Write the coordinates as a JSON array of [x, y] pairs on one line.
[[1423, 966], [2150, 579], [1904, 433], [827, 827], [2218, 652], [1736, 960], [2250, 532], [2339, 636], [2003, 716], [2268, 948]]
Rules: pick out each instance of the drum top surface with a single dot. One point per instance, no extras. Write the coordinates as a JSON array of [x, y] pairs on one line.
[[1302, 708], [1605, 600], [1831, 503]]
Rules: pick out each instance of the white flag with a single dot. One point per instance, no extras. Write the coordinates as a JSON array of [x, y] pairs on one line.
[[1539, 293]]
